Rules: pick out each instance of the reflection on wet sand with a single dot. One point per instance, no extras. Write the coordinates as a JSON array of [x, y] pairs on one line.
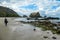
[[19, 31]]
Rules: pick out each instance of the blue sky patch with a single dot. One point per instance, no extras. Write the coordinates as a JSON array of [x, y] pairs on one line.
[[54, 7], [30, 7], [57, 0]]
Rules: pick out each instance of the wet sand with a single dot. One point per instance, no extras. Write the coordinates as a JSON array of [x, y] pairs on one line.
[[19, 31]]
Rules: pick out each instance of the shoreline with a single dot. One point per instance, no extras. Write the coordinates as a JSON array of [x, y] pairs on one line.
[[16, 31]]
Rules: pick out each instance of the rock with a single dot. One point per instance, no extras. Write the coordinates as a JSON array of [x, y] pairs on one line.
[[54, 33], [34, 29], [45, 37], [55, 27], [48, 32], [54, 37]]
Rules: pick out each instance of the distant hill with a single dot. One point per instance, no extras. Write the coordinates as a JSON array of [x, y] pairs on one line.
[[6, 12]]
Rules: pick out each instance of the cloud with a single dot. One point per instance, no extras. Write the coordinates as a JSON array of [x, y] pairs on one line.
[[27, 6], [54, 13]]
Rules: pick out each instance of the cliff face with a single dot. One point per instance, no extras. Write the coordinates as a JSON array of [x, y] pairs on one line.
[[35, 14], [6, 12]]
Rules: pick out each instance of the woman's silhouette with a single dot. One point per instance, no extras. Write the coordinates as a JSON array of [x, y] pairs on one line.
[[5, 21]]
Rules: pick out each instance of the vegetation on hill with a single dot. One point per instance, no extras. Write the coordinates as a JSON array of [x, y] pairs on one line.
[[6, 12]]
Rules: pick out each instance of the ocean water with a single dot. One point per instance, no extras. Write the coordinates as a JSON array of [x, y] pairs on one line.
[[25, 19]]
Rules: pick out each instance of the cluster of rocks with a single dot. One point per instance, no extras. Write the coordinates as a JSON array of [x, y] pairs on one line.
[[52, 37]]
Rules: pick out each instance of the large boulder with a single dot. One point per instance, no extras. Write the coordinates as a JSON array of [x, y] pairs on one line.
[[35, 15]]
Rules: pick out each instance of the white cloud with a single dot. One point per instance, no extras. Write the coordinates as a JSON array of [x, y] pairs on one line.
[[41, 4]]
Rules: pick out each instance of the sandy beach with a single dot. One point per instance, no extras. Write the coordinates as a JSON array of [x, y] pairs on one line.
[[19, 31]]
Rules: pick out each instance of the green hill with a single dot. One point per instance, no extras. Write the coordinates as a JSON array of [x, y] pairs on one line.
[[6, 12]]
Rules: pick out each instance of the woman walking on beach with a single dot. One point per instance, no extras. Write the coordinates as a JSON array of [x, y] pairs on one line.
[[5, 21]]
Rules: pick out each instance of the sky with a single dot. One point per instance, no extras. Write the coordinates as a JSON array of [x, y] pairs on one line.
[[25, 7]]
